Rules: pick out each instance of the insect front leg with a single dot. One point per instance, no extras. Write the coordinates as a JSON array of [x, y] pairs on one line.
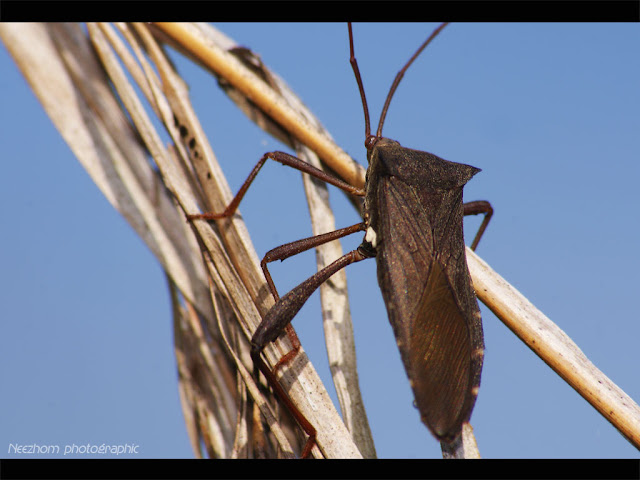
[[287, 250], [279, 317], [475, 208], [285, 159]]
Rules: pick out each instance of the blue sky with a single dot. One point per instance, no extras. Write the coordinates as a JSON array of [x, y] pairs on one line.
[[549, 112]]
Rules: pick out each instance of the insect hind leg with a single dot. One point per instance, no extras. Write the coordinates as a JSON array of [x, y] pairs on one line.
[[475, 208], [285, 251]]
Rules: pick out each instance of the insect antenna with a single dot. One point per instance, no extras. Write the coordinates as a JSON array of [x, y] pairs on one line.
[[356, 71], [396, 81]]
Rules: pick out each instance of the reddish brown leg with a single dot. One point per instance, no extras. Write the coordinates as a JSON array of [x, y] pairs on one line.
[[475, 208], [285, 159], [272, 327], [288, 250], [277, 318]]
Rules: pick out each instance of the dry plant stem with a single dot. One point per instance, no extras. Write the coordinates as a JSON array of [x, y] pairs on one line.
[[73, 90], [469, 442], [235, 236], [253, 389], [227, 66], [187, 387], [232, 241], [338, 328], [61, 67], [230, 284], [334, 299], [241, 441], [553, 346], [100, 150], [157, 96], [166, 74], [212, 404], [464, 447], [337, 316]]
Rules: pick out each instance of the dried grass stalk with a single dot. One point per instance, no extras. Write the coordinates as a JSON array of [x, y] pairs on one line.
[[62, 68], [555, 347]]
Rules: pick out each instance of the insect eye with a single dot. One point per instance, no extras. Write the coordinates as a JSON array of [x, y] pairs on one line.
[[370, 141]]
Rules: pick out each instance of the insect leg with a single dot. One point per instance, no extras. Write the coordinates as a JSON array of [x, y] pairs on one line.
[[475, 208], [287, 250], [285, 159], [278, 317], [290, 249]]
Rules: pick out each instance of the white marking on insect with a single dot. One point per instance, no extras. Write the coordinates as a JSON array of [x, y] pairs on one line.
[[371, 237]]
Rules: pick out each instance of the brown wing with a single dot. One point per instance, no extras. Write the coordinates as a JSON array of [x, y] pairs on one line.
[[440, 356], [432, 308]]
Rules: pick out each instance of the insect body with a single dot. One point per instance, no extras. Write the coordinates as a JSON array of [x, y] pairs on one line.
[[413, 203], [413, 214]]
